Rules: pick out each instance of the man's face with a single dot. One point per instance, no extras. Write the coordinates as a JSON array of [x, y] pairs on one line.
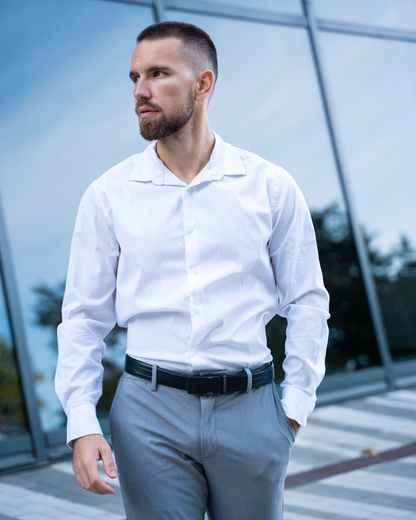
[[164, 88]]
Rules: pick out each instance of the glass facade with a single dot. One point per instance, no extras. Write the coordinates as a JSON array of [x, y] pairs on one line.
[[284, 6], [67, 115], [12, 411], [395, 14], [373, 84]]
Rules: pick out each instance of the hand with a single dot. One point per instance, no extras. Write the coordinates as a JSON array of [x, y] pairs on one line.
[[87, 451], [295, 425]]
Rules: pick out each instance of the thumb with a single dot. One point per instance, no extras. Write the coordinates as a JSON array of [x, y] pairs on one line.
[[108, 462]]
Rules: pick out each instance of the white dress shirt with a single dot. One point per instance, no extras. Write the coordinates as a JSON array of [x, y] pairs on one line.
[[194, 272]]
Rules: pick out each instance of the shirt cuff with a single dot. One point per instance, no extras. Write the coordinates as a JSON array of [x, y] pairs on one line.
[[297, 404], [82, 420]]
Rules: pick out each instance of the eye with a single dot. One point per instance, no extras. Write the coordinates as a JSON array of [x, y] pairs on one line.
[[134, 79], [158, 73]]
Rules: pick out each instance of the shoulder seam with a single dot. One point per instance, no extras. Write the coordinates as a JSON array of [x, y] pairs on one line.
[[274, 194], [104, 207]]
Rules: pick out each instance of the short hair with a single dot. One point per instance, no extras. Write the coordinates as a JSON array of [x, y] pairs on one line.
[[200, 44]]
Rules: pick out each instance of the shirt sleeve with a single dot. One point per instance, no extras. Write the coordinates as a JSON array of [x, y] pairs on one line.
[[88, 314], [302, 298]]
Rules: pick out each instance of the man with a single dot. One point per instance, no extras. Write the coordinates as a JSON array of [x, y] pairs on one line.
[[194, 245]]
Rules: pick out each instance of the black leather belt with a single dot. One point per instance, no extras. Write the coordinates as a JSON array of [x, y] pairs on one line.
[[201, 385]]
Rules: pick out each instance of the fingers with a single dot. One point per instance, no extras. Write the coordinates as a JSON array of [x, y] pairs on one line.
[[108, 462], [90, 481], [95, 484], [87, 451], [295, 425]]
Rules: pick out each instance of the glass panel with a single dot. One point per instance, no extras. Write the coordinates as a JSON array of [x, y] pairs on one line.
[[373, 85], [283, 6], [395, 14], [67, 115], [267, 101], [12, 412]]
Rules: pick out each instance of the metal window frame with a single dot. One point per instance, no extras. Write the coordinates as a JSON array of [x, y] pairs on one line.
[[24, 366], [362, 253], [314, 26]]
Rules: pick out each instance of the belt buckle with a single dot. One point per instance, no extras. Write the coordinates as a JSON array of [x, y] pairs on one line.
[[204, 385]]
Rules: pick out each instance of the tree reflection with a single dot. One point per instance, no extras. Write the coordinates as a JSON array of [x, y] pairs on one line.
[[352, 344], [48, 314], [395, 275], [12, 414]]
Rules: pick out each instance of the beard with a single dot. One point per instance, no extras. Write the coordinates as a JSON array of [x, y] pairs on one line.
[[162, 125]]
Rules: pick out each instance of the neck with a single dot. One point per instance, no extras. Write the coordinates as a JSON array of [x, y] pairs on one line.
[[187, 151]]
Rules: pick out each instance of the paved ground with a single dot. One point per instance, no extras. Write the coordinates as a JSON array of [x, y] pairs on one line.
[[355, 460]]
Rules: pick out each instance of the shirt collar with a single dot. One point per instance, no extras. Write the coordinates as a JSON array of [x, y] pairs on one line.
[[224, 160]]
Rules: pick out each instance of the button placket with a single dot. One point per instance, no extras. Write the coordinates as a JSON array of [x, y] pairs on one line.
[[193, 270]]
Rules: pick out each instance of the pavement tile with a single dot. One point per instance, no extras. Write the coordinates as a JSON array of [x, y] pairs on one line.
[[378, 516], [387, 400], [6, 499], [344, 415], [47, 511], [363, 497], [32, 498], [341, 439], [296, 516], [31, 516], [75, 517], [382, 409], [355, 510], [313, 515], [10, 511], [396, 468], [400, 437], [402, 396], [364, 480], [62, 485]]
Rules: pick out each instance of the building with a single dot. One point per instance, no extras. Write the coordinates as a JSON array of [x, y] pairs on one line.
[[325, 89]]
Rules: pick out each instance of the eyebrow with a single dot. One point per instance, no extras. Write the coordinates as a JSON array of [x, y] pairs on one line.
[[133, 73]]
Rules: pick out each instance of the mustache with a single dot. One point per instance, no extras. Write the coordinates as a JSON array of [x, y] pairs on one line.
[[143, 103]]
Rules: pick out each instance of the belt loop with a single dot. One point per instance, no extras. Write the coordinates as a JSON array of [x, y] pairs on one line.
[[249, 379], [154, 378]]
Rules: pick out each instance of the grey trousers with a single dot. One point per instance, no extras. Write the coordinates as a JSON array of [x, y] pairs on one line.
[[179, 455]]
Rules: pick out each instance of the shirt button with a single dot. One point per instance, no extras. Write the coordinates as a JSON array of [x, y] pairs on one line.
[[191, 229], [194, 271], [196, 310], [195, 350]]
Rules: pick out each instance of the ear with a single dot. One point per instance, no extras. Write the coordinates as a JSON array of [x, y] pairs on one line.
[[205, 85]]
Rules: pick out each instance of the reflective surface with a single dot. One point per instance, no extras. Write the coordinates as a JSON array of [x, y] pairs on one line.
[[12, 412], [66, 116], [395, 14], [373, 85], [267, 101], [284, 6]]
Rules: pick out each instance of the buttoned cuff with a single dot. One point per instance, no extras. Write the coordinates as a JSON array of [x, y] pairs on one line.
[[82, 420], [297, 404]]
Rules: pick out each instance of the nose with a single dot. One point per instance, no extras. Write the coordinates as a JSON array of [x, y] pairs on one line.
[[141, 89]]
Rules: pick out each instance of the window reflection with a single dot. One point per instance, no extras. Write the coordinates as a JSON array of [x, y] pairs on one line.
[[395, 14], [12, 412], [267, 101], [284, 6], [372, 84], [67, 116]]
